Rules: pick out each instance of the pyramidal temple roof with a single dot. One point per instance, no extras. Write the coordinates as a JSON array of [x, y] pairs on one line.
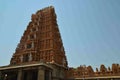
[[41, 41]]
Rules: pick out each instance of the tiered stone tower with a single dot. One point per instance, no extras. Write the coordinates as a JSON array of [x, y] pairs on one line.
[[41, 41], [40, 54]]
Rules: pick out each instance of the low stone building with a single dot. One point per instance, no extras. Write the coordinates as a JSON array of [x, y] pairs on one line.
[[87, 73]]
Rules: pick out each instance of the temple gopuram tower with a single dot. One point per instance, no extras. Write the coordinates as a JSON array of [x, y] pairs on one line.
[[40, 53], [41, 41]]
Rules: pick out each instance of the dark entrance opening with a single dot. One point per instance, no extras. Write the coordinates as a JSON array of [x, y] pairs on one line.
[[9, 75], [47, 75], [30, 74]]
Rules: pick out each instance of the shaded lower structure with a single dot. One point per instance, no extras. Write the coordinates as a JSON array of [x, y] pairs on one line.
[[27, 72], [36, 71]]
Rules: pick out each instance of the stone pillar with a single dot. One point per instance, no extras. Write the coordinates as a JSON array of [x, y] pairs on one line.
[[19, 74], [41, 73], [0, 75], [50, 75]]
